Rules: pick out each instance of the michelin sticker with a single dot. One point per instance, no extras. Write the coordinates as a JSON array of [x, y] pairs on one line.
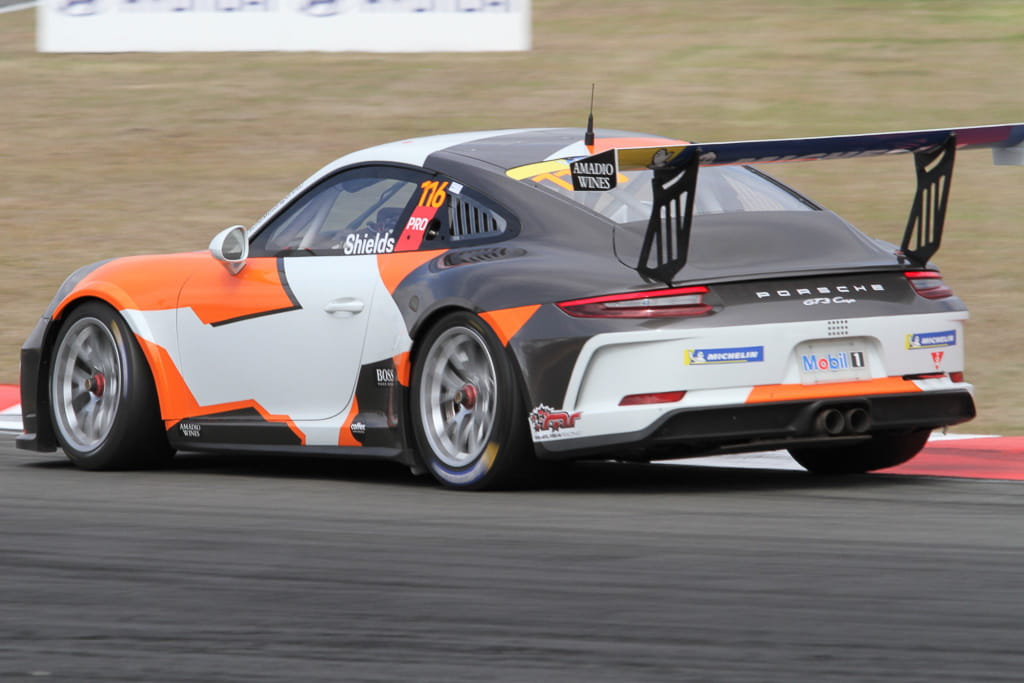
[[931, 340], [740, 354]]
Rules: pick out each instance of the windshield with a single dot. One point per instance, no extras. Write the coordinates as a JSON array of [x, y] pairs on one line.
[[720, 189]]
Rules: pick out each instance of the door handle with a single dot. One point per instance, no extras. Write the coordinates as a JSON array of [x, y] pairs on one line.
[[343, 306]]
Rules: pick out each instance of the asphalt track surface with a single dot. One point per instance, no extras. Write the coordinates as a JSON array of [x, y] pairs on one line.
[[273, 569]]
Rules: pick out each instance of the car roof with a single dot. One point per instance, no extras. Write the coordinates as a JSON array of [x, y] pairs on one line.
[[502, 149]]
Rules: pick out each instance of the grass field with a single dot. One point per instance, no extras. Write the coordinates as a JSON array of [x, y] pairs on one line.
[[106, 155]]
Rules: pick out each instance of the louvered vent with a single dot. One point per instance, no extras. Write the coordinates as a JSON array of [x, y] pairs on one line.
[[471, 219]]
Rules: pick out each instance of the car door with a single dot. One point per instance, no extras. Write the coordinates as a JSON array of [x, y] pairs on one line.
[[285, 334]]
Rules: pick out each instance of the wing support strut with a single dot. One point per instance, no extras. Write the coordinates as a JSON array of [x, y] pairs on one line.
[[928, 212], [667, 239]]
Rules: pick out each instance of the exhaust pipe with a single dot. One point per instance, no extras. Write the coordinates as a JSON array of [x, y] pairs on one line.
[[830, 421], [857, 420]]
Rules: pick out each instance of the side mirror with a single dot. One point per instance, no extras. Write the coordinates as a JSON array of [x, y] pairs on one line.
[[231, 247]]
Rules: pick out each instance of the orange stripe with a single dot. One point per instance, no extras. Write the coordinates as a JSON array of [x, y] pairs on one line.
[[396, 267], [602, 144], [153, 283], [507, 321], [145, 283], [177, 401], [796, 392], [403, 368], [216, 295]]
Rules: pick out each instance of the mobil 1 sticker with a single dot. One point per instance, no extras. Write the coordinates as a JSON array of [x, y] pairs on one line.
[[839, 361]]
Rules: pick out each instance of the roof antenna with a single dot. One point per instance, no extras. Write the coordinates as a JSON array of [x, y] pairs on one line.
[[588, 137]]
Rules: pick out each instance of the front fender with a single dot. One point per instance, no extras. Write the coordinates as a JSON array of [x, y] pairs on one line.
[[142, 289]]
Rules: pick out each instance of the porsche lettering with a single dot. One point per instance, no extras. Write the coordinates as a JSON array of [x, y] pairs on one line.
[[810, 291]]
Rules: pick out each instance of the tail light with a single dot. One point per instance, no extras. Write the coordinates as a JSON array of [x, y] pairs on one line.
[[660, 303], [652, 399], [929, 284]]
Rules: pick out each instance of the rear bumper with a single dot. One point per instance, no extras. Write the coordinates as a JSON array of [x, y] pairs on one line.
[[749, 427]]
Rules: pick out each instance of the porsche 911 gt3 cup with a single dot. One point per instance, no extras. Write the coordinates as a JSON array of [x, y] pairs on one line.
[[474, 304]]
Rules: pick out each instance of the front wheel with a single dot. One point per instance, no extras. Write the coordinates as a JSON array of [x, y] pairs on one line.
[[102, 399], [467, 412], [882, 451]]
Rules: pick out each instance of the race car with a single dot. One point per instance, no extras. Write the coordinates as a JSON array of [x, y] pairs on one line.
[[474, 304]]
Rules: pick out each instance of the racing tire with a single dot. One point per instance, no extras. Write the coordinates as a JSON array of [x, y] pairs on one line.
[[882, 451], [468, 419], [103, 402]]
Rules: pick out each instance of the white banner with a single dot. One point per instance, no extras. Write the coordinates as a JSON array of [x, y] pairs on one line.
[[283, 25]]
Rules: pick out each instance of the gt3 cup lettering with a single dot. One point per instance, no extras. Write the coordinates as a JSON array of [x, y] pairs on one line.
[[826, 300]]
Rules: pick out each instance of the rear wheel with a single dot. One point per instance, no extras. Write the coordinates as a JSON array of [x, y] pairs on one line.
[[882, 451], [102, 399], [467, 412]]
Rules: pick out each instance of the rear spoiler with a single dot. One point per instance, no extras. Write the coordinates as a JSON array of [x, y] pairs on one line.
[[675, 167]]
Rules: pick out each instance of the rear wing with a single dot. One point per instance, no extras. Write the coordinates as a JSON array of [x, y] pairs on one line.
[[675, 168]]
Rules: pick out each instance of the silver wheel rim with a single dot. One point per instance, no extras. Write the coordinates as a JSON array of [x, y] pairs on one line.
[[86, 384], [458, 397]]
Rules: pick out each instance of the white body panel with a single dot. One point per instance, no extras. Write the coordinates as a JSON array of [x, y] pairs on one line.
[[612, 366], [301, 363], [266, 358]]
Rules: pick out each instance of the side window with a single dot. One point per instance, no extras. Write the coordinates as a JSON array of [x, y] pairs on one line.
[[452, 214], [379, 210], [354, 212], [471, 217]]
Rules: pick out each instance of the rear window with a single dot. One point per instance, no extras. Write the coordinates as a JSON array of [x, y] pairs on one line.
[[720, 189]]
